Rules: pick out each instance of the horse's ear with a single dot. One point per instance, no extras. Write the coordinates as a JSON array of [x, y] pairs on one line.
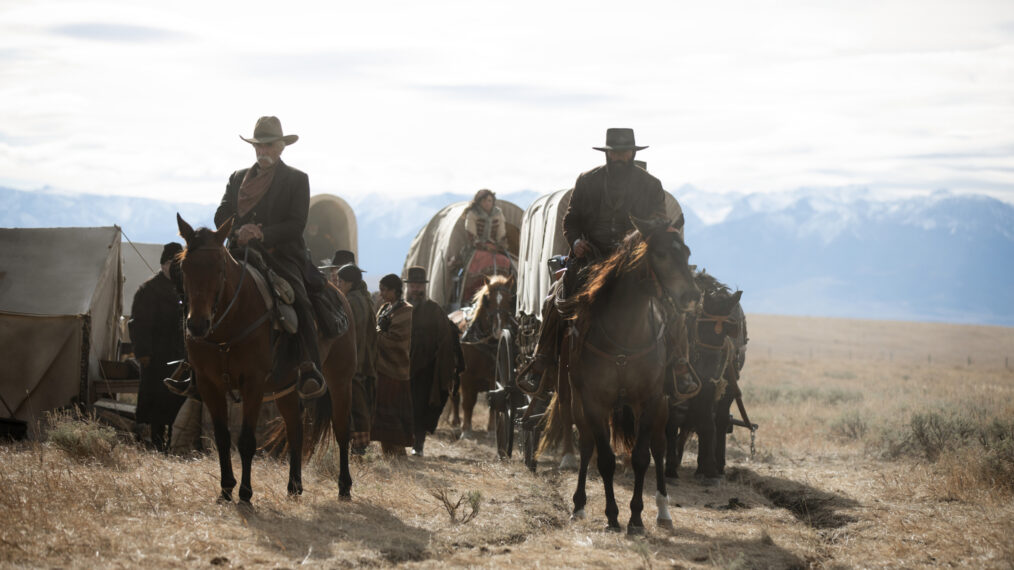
[[485, 280], [186, 231], [224, 230], [510, 281], [737, 296]]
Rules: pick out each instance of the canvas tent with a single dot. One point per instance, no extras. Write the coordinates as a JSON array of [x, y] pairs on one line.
[[59, 307], [444, 237], [542, 238], [330, 226]]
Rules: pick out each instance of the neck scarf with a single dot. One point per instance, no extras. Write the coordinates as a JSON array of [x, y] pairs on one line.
[[255, 185]]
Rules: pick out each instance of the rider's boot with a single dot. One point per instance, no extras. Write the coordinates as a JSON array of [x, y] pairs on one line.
[[311, 382], [180, 381], [530, 376]]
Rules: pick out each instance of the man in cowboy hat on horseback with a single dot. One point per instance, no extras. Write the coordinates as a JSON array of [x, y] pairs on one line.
[[270, 202], [597, 220]]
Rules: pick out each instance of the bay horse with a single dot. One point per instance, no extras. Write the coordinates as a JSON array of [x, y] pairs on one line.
[[632, 303], [229, 344], [492, 310], [717, 350]]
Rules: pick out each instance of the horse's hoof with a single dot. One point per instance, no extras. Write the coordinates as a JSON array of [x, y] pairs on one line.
[[709, 481], [635, 530], [578, 515], [467, 434], [569, 462], [345, 497], [664, 523], [223, 498], [613, 527]]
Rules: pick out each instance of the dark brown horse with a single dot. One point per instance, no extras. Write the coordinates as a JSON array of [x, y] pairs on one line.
[[632, 305], [492, 311], [229, 344], [717, 342]]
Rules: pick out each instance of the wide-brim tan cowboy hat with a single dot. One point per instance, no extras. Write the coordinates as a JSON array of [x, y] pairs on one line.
[[619, 140], [268, 130]]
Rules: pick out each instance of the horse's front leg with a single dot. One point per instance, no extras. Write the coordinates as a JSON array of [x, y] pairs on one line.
[[639, 459], [215, 400], [288, 407], [659, 441], [672, 458], [247, 443]]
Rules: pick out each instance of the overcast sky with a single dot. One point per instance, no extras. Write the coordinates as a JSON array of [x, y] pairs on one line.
[[147, 98]]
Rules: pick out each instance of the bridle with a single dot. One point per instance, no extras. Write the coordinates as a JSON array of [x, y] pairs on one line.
[[225, 346]]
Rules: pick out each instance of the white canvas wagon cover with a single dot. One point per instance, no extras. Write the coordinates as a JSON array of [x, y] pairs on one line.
[[59, 307], [443, 237]]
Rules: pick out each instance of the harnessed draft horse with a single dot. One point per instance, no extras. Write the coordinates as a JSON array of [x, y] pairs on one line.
[[229, 341], [717, 336], [492, 311], [638, 295]]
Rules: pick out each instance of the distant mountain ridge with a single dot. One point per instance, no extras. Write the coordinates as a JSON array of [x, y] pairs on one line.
[[821, 252]]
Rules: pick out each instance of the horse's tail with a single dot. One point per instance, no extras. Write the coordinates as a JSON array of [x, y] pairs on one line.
[[624, 428], [555, 428], [316, 426]]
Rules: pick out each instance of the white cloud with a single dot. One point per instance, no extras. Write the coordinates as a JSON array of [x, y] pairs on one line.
[[398, 97]]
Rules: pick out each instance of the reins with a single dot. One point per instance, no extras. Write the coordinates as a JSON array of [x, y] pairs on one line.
[[225, 347]]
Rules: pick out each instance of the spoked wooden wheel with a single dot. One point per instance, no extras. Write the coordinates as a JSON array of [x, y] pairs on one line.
[[529, 441], [504, 413]]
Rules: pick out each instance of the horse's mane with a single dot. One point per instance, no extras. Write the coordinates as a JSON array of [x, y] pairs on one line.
[[478, 299], [628, 257], [708, 284]]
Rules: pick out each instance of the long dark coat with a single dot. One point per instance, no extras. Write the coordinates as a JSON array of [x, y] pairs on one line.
[[601, 206], [156, 330], [433, 363], [281, 212]]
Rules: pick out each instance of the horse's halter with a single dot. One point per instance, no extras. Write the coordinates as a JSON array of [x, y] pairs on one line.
[[221, 287]]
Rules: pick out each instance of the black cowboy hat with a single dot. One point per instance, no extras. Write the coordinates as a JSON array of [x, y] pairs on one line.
[[169, 251], [619, 139], [351, 273], [341, 257], [416, 274], [268, 130]]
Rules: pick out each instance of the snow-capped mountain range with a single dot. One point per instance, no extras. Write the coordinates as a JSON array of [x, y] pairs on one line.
[[813, 251]]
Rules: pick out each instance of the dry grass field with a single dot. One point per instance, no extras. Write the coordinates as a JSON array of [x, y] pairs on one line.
[[881, 444]]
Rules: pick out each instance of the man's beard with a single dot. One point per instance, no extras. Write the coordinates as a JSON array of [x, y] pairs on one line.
[[415, 298], [265, 161]]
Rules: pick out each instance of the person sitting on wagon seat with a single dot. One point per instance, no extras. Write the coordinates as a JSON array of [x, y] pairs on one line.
[[270, 202], [597, 220]]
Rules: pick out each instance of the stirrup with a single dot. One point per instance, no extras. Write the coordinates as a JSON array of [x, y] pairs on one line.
[[308, 376], [180, 385]]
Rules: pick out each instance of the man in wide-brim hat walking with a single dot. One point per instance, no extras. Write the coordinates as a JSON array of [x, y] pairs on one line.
[[597, 220], [433, 357]]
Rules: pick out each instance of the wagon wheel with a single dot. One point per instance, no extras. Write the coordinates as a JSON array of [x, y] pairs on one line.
[[529, 441], [504, 413]]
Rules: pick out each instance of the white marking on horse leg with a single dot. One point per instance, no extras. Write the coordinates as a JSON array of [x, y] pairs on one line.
[[662, 502], [578, 515]]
